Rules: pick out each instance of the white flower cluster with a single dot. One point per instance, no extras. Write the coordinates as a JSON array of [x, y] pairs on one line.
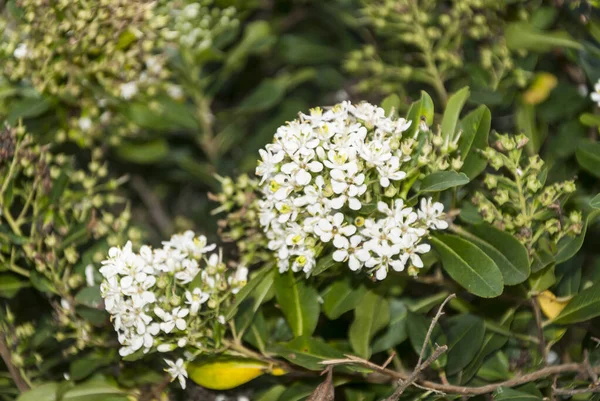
[[156, 297], [333, 178], [595, 96]]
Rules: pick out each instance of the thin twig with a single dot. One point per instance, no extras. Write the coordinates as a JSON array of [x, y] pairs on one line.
[[431, 326], [588, 367], [464, 390], [540, 330], [158, 213], [563, 391], [413, 376], [12, 369]]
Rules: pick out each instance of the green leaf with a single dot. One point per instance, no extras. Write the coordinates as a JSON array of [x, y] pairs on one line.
[[271, 394], [491, 343], [495, 368], [505, 250], [371, 315], [465, 336], [84, 366], [307, 352], [442, 180], [543, 279], [43, 392], [568, 246], [590, 120], [299, 303], [469, 266], [391, 104], [94, 390], [10, 285], [255, 280], [266, 95], [419, 110], [452, 113], [584, 306], [341, 297], [324, 263], [150, 152], [300, 50], [396, 330], [509, 394], [595, 202], [90, 297], [27, 108], [526, 123], [417, 327], [588, 157], [475, 131], [523, 36]]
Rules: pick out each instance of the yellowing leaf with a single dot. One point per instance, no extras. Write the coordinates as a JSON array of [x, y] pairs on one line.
[[550, 305], [225, 373], [540, 88]]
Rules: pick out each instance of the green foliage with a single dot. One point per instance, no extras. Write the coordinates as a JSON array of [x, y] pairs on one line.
[[176, 96]]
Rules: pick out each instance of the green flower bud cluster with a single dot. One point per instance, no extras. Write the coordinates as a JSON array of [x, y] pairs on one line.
[[520, 201], [50, 215], [94, 56], [241, 225], [432, 41]]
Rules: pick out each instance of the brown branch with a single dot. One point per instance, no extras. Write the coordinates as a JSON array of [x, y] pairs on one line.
[[464, 390], [563, 391], [540, 330], [12, 369], [413, 376], [431, 327], [158, 213]]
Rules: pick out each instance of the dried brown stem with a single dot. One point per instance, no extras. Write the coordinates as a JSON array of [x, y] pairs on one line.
[[437, 316], [158, 213], [540, 330], [12, 369], [414, 375]]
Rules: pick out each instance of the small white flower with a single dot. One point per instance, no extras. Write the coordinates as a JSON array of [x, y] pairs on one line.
[[195, 299], [85, 123], [595, 96], [128, 90], [433, 214], [177, 371], [172, 319], [333, 227], [21, 51]]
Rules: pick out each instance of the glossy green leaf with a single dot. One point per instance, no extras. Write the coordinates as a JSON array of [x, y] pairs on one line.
[[90, 297], [307, 352], [43, 392], [371, 315], [272, 394], [11, 284], [324, 263], [543, 279], [452, 113], [266, 95], [590, 120], [420, 110], [417, 327], [395, 333], [299, 303], [523, 36], [505, 250], [27, 108], [442, 180], [584, 306], [469, 265], [595, 202], [341, 297], [391, 104], [475, 128], [568, 246], [150, 152], [510, 394], [588, 157], [86, 365], [465, 336], [254, 281]]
